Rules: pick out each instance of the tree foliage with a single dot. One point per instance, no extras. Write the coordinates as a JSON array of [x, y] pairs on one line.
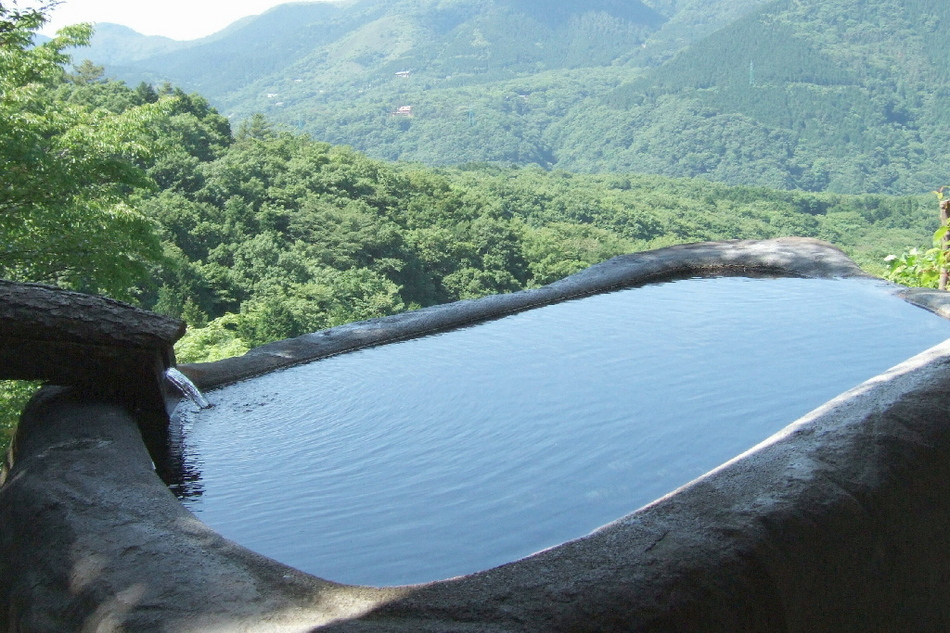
[[68, 169]]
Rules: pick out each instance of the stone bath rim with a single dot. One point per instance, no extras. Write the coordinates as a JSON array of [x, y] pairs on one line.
[[786, 537]]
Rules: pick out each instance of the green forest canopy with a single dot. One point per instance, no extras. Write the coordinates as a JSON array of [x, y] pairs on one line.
[[844, 96]]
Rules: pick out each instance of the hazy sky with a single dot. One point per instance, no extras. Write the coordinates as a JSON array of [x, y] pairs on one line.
[[177, 19]]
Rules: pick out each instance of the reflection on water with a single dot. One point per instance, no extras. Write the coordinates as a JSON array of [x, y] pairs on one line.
[[184, 476], [452, 453]]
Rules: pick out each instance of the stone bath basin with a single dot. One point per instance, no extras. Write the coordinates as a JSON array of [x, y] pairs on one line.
[[837, 523]]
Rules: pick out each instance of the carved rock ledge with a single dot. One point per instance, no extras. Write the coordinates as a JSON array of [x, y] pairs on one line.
[[68, 338]]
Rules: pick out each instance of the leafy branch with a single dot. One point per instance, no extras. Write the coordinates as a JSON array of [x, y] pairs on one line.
[[926, 269]]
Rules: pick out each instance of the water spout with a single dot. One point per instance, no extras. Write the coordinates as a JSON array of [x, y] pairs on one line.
[[186, 387]]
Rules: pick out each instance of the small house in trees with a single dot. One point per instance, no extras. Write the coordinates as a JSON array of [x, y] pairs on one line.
[[405, 110]]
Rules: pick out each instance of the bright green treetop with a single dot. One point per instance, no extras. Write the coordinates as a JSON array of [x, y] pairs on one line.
[[67, 170]]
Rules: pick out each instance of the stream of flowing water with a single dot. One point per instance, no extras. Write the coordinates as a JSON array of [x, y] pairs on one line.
[[187, 388]]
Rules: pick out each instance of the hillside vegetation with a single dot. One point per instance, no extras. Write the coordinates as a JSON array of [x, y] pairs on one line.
[[845, 97]]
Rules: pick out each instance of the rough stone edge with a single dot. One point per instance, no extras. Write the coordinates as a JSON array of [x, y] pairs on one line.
[[784, 256], [936, 301], [37, 312], [836, 523]]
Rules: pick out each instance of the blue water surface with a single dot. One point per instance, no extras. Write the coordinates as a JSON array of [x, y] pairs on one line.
[[453, 453]]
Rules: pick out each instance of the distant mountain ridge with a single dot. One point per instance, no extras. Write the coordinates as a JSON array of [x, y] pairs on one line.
[[414, 32], [117, 44], [814, 94]]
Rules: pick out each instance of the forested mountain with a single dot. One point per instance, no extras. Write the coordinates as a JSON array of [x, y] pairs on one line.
[[843, 96], [332, 44], [118, 45], [821, 95]]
